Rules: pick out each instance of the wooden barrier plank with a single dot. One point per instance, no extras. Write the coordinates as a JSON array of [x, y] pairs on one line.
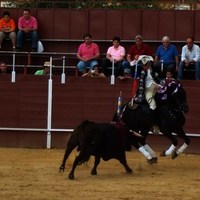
[[24, 104]]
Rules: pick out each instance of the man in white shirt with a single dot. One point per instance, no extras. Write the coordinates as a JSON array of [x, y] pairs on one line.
[[190, 57]]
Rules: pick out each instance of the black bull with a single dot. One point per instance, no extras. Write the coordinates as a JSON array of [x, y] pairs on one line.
[[102, 140]]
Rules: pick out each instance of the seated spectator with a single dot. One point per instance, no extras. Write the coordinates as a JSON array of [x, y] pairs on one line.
[[27, 26], [190, 57], [88, 52], [3, 68], [166, 57], [169, 75], [94, 73], [7, 29], [168, 78], [136, 50], [114, 53], [45, 70]]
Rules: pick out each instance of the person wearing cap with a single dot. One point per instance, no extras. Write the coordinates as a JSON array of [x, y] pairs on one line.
[[45, 70], [166, 57], [87, 54], [147, 85], [139, 48]]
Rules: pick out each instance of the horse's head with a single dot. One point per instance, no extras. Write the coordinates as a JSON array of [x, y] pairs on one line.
[[178, 96], [174, 95]]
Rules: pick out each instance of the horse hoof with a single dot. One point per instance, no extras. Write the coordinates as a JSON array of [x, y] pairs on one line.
[[174, 155], [152, 160], [155, 160], [162, 154]]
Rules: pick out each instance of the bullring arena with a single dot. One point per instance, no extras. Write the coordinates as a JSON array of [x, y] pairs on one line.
[[32, 148], [30, 171]]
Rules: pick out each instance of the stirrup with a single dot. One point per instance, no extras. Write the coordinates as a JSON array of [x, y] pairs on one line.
[[138, 99]]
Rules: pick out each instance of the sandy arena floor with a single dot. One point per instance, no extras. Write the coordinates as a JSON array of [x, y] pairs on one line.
[[32, 174]]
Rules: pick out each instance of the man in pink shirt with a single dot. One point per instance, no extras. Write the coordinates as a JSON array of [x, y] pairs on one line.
[[88, 52], [116, 54], [27, 29]]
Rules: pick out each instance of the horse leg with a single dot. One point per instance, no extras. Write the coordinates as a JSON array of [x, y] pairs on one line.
[[147, 155], [169, 135], [169, 151], [179, 151], [146, 150], [184, 146], [96, 163], [152, 153]]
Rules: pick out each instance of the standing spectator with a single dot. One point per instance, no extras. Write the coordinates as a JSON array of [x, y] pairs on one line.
[[189, 59], [166, 57], [114, 53], [7, 29], [88, 52], [27, 26], [139, 48]]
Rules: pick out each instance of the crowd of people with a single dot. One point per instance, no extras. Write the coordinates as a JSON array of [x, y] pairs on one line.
[[166, 58], [118, 61], [26, 27]]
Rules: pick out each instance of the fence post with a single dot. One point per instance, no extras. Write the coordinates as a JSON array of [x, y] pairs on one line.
[[49, 113]]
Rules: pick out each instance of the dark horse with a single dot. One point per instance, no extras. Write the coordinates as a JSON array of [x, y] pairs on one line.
[[171, 104]]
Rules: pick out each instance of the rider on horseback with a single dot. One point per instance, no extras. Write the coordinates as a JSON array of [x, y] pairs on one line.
[[147, 84]]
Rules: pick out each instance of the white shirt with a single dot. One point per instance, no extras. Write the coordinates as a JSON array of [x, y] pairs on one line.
[[149, 79], [116, 53], [192, 54]]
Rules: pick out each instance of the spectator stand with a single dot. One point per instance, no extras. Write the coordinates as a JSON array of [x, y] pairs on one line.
[[29, 62]]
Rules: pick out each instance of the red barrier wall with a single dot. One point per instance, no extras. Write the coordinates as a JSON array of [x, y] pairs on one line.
[[24, 105]]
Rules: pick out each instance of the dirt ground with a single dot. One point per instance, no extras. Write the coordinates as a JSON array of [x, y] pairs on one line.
[[32, 174]]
